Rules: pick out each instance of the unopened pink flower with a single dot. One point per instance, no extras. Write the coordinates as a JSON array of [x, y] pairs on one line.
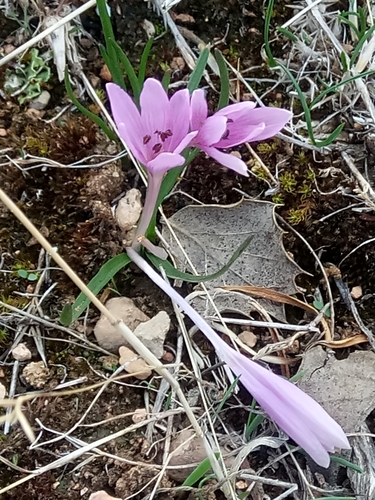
[[159, 132], [231, 126], [296, 413]]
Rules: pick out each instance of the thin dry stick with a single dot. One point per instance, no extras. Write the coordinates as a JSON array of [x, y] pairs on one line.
[[117, 323]]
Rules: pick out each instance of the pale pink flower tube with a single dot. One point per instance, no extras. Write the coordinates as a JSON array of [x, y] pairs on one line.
[[296, 413]]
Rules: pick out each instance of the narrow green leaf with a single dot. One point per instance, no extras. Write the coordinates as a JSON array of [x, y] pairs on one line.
[[129, 70], [143, 63], [98, 282], [346, 463], [224, 80], [113, 65], [339, 498], [267, 24], [173, 273], [197, 73], [292, 37], [297, 376], [101, 123], [253, 424], [344, 63], [333, 88], [66, 315], [360, 44], [227, 394], [166, 80], [199, 472], [331, 138]]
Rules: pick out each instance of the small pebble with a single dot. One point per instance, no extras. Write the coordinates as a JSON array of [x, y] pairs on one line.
[[356, 292], [3, 132], [133, 364], [105, 74], [21, 352], [41, 101], [36, 374], [139, 415], [129, 209], [248, 338], [3, 391]]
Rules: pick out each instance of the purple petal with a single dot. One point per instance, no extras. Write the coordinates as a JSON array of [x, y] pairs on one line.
[[127, 119], [185, 142], [274, 119], [228, 160], [198, 109], [179, 118], [246, 124], [212, 131], [164, 162], [231, 110], [300, 416], [154, 107]]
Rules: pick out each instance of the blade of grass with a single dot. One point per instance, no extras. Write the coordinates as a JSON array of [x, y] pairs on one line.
[[114, 67], [199, 472], [143, 63], [98, 282], [129, 70], [101, 123], [166, 80], [224, 80], [197, 73], [174, 273]]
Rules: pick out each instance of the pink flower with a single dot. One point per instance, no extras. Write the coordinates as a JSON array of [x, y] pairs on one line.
[[233, 125], [297, 414], [159, 132]]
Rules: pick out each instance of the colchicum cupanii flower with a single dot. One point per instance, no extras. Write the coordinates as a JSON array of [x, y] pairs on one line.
[[157, 135], [231, 126]]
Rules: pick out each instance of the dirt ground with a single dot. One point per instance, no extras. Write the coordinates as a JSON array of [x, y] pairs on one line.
[[76, 216]]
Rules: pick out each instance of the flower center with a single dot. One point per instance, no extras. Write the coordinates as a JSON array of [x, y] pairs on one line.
[[164, 135]]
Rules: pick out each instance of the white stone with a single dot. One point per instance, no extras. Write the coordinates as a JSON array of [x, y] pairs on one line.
[[36, 374], [3, 391], [41, 101], [129, 209], [21, 352], [107, 336], [102, 495], [134, 364], [153, 332]]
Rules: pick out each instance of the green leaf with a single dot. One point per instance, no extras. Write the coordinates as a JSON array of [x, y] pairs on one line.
[[288, 34], [346, 463], [224, 80], [101, 123], [32, 277], [267, 24], [197, 73], [360, 44], [166, 80], [99, 281], [199, 472], [129, 70], [22, 273], [113, 64], [143, 63], [173, 273], [66, 315]]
